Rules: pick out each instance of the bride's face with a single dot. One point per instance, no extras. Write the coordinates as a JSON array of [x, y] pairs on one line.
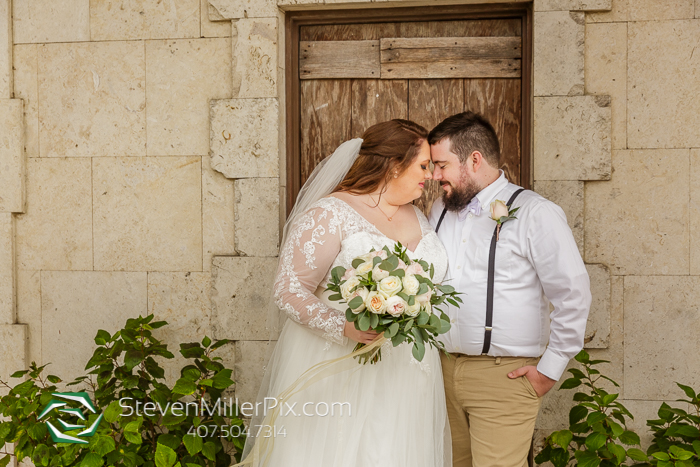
[[409, 185]]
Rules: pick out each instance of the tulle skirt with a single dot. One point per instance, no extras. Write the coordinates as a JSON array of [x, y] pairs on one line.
[[389, 414]]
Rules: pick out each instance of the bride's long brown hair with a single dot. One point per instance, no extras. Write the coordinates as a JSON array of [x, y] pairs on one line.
[[386, 147]]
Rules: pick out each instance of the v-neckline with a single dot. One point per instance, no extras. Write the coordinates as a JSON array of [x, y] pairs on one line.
[[420, 224]]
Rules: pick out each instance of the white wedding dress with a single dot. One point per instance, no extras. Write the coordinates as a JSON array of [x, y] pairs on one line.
[[394, 412]]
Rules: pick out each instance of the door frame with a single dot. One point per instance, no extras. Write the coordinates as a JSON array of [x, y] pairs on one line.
[[294, 20]]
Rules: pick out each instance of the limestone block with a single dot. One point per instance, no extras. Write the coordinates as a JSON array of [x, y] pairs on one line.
[[655, 10], [237, 9], [244, 137], [298, 2], [56, 231], [209, 27], [659, 112], [661, 322], [619, 12], [255, 57], [241, 297], [12, 160], [634, 224], [694, 212], [256, 216], [182, 76], [76, 304], [181, 299], [217, 214], [147, 213], [13, 350], [606, 72], [92, 99], [568, 194], [143, 19], [5, 50], [572, 138], [598, 326], [251, 358], [7, 268], [25, 84], [42, 21], [559, 53], [29, 310], [571, 5]]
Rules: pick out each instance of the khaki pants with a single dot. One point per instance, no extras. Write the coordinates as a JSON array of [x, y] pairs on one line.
[[492, 417]]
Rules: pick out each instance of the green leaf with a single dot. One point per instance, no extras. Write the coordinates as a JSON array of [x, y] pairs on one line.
[[680, 453], [562, 438], [132, 358], [688, 391], [355, 303], [104, 445], [222, 379], [696, 446], [209, 451], [364, 322], [5, 460], [373, 320], [398, 273], [630, 438], [560, 457], [19, 374], [92, 460], [595, 441], [191, 350], [618, 451], [582, 357], [102, 337], [392, 330], [184, 387], [665, 412], [356, 262], [577, 414], [165, 457], [637, 455], [418, 350], [616, 428], [409, 324], [683, 430], [191, 373], [595, 417], [661, 456], [193, 443], [423, 318], [169, 440], [581, 397], [570, 383], [587, 459]]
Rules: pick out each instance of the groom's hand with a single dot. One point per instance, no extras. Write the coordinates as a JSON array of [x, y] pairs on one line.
[[540, 382]]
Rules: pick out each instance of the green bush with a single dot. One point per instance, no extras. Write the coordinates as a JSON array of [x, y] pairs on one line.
[[124, 367], [677, 434]]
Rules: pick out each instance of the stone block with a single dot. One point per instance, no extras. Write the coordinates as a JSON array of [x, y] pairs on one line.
[[559, 53], [37, 21], [6, 50], [568, 194], [256, 216], [217, 214], [209, 26], [56, 231], [238, 9], [26, 88], [112, 20], [13, 350], [255, 57], [606, 73], [92, 99], [182, 77], [656, 10], [573, 5], [12, 159], [659, 112], [251, 358], [244, 137], [572, 138], [241, 297], [181, 299], [628, 227], [7, 268], [618, 13], [29, 310], [598, 326], [694, 212], [76, 304], [147, 213], [661, 322]]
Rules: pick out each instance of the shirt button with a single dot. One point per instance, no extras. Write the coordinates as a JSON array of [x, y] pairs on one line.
[[464, 240], [459, 267], [452, 321], [470, 215]]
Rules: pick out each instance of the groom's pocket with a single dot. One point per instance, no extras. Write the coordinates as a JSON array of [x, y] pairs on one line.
[[528, 385]]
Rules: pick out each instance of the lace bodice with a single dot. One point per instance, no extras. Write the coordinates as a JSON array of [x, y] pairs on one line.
[[331, 233]]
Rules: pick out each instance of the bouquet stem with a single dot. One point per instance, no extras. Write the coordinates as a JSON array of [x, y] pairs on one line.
[[371, 357]]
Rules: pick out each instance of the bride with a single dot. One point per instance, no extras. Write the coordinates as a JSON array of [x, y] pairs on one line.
[[387, 414]]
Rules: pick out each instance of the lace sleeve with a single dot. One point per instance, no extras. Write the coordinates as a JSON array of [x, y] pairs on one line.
[[306, 257]]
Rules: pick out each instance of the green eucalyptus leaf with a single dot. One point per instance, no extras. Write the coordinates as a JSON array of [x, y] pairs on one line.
[[364, 322]]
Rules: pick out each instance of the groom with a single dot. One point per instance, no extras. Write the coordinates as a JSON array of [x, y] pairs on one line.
[[507, 350]]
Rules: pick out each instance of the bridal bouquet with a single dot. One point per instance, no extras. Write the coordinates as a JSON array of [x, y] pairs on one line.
[[388, 292]]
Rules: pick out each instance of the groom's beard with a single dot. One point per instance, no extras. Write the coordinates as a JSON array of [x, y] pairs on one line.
[[461, 196]]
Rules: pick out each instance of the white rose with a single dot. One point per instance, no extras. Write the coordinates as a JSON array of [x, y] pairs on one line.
[[413, 310], [396, 305], [362, 292], [378, 274], [348, 285], [375, 303], [380, 253], [424, 298], [428, 308], [364, 269], [498, 210], [410, 284], [389, 286], [416, 269], [348, 274]]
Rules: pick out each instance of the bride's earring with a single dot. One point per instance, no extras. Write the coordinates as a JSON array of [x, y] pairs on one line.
[[396, 175]]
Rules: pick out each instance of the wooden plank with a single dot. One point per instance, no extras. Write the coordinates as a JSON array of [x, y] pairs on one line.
[[376, 100], [429, 103], [348, 32], [325, 123], [499, 100], [400, 50], [472, 68], [339, 59], [476, 28]]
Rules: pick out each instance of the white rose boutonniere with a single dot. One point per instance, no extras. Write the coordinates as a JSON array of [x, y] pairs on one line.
[[501, 214]]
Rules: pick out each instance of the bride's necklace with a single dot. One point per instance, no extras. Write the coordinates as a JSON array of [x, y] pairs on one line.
[[382, 211]]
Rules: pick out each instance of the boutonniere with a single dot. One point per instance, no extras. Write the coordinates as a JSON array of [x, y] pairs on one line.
[[501, 214]]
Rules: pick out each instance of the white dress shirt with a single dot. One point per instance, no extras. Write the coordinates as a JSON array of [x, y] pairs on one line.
[[536, 259]]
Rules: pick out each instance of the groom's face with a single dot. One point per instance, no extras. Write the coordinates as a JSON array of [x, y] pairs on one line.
[[454, 177]]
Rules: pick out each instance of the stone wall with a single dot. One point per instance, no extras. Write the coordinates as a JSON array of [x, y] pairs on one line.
[[133, 179]]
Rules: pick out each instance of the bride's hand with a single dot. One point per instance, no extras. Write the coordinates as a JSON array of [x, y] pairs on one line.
[[363, 337]]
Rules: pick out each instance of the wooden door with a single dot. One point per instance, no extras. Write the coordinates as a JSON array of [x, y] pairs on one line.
[[351, 75]]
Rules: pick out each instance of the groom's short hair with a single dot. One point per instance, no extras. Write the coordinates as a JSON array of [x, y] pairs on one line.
[[469, 132]]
